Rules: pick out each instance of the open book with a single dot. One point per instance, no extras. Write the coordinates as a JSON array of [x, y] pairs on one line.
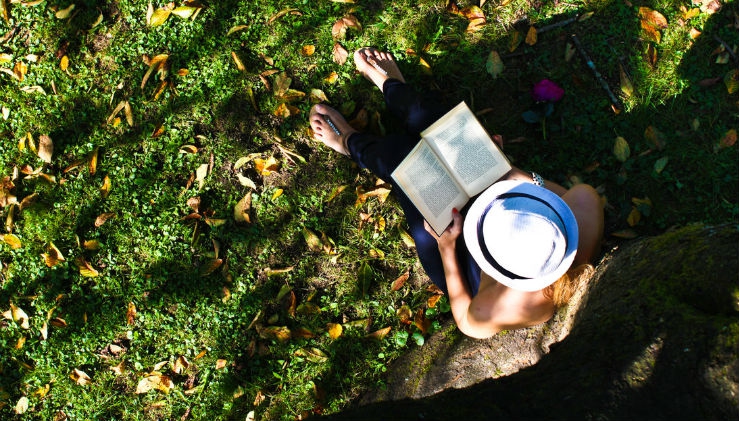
[[455, 160]]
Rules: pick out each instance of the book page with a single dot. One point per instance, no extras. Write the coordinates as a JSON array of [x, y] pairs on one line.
[[467, 149], [429, 186]]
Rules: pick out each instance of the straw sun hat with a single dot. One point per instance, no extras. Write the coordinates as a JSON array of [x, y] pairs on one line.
[[522, 235]]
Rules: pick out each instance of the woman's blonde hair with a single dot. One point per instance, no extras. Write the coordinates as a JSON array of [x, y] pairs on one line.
[[562, 290]]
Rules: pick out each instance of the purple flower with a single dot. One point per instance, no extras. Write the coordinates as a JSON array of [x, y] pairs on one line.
[[547, 91]]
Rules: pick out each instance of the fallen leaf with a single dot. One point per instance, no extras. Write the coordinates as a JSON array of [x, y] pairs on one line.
[[621, 149], [239, 63], [22, 406], [19, 316], [531, 36], [281, 333], [154, 382], [652, 32], [651, 55], [64, 63], [731, 80], [655, 137], [652, 17], [53, 256], [64, 13], [431, 302], [210, 267], [105, 188], [267, 166], [307, 50], [13, 241], [185, 12], [93, 163], [221, 364], [400, 281], [405, 314], [131, 313], [660, 164], [379, 334], [282, 13], [334, 330], [728, 139], [338, 30], [200, 175], [634, 217], [242, 209], [4, 10], [236, 29], [159, 16], [103, 218], [494, 65], [340, 54], [626, 86], [80, 377], [155, 64], [86, 268]]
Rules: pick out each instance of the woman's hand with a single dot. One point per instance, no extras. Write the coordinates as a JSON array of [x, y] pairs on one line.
[[448, 238]]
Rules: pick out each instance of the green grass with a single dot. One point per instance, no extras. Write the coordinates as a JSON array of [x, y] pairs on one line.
[[153, 258]]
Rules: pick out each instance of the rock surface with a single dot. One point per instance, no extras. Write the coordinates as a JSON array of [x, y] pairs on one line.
[[655, 334]]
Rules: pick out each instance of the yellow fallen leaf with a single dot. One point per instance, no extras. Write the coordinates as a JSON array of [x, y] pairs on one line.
[[221, 364], [64, 63], [334, 330], [53, 256], [236, 29], [131, 313], [93, 163], [239, 63], [86, 268], [80, 377], [180, 365], [155, 64], [13, 241], [159, 16], [531, 36], [105, 188], [65, 13], [242, 209], [154, 382]]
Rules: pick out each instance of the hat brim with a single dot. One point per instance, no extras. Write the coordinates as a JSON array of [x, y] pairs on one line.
[[478, 208]]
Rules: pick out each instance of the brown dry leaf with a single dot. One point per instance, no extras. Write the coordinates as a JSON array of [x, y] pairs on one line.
[[338, 30], [53, 256], [242, 209], [303, 333], [210, 266], [13, 241], [651, 55], [28, 201], [314, 242], [86, 268], [80, 377], [431, 302], [259, 398], [421, 322], [221, 364], [180, 365], [282, 84], [634, 217], [20, 70], [334, 330], [317, 96], [131, 313], [58, 322], [379, 334], [655, 137], [531, 36], [118, 369], [45, 148], [400, 281], [694, 33], [728, 140], [103, 218], [281, 333], [652, 17], [405, 314], [475, 16], [340, 54]]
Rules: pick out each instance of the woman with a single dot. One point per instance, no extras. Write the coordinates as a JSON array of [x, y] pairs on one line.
[[524, 242]]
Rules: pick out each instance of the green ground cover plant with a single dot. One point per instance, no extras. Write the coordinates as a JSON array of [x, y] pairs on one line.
[[177, 246]]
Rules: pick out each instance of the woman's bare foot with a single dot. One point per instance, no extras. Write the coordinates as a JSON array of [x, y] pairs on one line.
[[377, 66], [330, 127]]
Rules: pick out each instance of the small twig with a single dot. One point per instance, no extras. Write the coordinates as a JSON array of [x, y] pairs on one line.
[[556, 25], [614, 100], [729, 49]]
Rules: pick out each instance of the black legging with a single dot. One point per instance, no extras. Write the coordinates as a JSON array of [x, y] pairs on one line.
[[382, 154]]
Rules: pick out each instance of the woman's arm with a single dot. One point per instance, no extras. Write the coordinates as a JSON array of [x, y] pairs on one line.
[[460, 297]]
